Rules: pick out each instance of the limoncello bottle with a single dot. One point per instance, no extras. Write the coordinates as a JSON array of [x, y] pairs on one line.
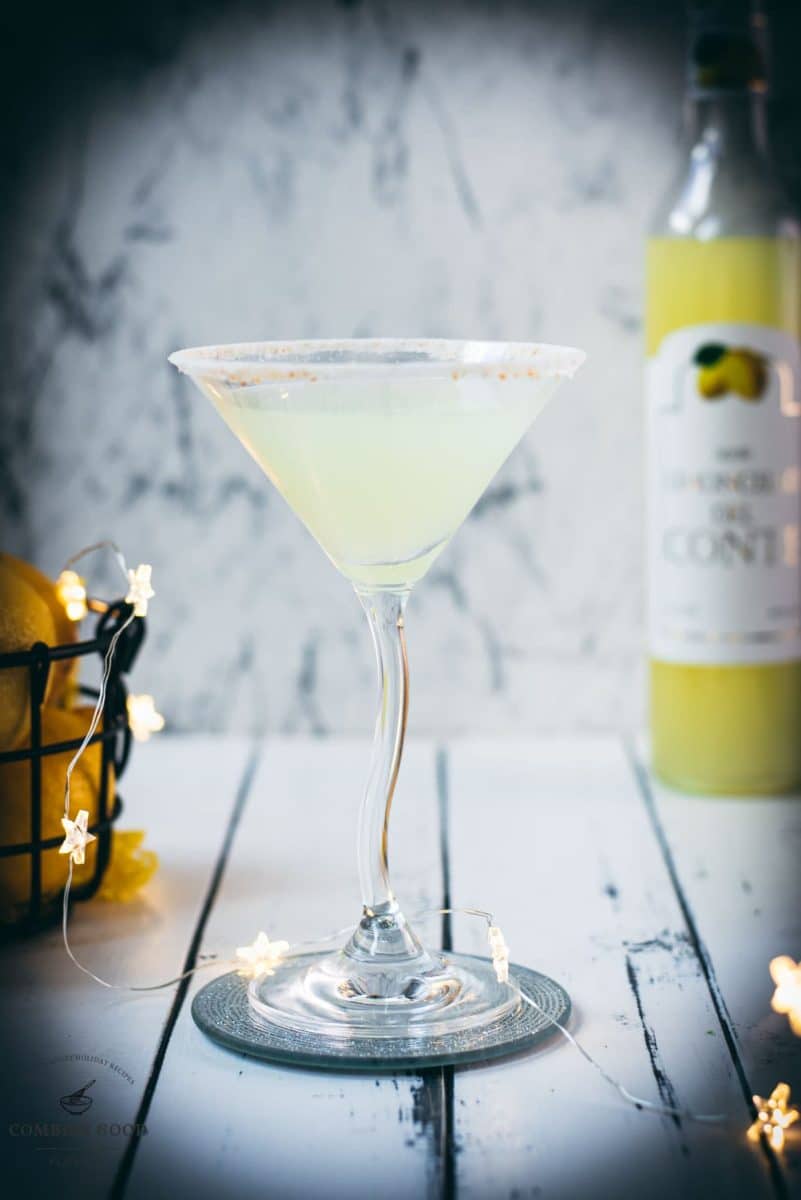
[[724, 437]]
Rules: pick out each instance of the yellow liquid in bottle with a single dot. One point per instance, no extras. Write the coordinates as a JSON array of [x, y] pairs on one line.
[[727, 728]]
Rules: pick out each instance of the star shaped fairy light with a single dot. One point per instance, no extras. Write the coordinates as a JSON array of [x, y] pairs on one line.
[[261, 957], [143, 719], [500, 953], [139, 589], [773, 1117], [78, 837], [786, 974], [71, 591]]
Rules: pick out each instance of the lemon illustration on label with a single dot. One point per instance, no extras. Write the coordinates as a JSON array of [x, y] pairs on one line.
[[723, 369]]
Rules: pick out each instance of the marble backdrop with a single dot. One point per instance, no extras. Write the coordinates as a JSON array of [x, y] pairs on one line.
[[362, 169]]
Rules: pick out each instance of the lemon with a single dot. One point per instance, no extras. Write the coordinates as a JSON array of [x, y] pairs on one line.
[[64, 674], [15, 806], [737, 370], [24, 619], [745, 372], [712, 382], [130, 868]]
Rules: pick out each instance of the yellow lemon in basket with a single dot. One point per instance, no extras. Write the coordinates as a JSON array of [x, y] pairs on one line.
[[15, 807], [130, 868], [24, 619], [64, 674]]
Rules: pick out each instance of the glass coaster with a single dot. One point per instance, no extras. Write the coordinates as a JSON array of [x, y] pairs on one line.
[[223, 1011]]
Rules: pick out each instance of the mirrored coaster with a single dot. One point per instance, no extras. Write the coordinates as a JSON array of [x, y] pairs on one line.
[[225, 1012]]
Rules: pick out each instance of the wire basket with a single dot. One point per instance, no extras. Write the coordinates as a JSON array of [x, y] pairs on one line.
[[114, 735]]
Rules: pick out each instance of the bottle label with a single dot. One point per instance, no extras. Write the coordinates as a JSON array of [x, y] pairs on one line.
[[724, 495]]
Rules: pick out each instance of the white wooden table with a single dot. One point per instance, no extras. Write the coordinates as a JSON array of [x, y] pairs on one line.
[[659, 913]]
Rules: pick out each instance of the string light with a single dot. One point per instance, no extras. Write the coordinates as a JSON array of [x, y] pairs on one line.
[[78, 837], [71, 591], [143, 719], [139, 592], [139, 589], [786, 974], [662, 1110], [500, 953], [261, 957], [773, 1117]]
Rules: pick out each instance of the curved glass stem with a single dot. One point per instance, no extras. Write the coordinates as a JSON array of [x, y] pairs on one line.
[[383, 932], [383, 983], [385, 615]]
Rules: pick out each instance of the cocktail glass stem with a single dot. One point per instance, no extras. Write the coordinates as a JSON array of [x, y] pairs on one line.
[[383, 934]]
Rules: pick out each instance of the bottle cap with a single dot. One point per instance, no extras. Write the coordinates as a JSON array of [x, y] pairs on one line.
[[728, 40]]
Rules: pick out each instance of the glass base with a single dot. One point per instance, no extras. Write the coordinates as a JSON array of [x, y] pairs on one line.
[[306, 1014], [337, 995]]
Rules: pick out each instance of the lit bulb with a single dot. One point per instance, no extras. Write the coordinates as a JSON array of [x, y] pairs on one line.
[[786, 974], [261, 957], [500, 953], [77, 837], [139, 589], [773, 1117], [71, 591], [143, 720]]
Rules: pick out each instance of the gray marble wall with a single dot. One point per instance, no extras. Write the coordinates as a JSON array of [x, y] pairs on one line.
[[363, 169]]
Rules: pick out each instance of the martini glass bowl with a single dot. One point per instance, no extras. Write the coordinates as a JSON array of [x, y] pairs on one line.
[[381, 447]]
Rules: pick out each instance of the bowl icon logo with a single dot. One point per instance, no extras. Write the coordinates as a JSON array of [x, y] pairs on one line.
[[78, 1102], [736, 369]]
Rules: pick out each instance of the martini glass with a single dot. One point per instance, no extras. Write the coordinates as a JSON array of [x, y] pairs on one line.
[[381, 447]]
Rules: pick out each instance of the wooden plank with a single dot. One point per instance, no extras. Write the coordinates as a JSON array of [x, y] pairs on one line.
[[60, 1028], [224, 1124], [556, 841], [737, 867]]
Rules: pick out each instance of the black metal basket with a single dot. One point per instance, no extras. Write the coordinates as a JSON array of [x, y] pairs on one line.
[[114, 734]]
